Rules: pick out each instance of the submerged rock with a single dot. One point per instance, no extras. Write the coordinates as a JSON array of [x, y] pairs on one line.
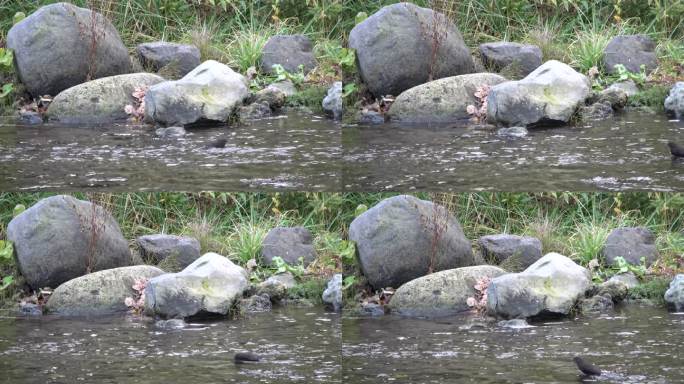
[[549, 95], [371, 118], [371, 310], [30, 118], [333, 292], [674, 103], [441, 101], [550, 286], [256, 110], [596, 304], [256, 304], [517, 252], [514, 324], [632, 51], [442, 293], [506, 57], [332, 103], [394, 51], [169, 132], [289, 244], [402, 238], [596, 111], [99, 293], [179, 251], [170, 324], [61, 238], [208, 286], [53, 48], [290, 51], [99, 101], [631, 243], [30, 310], [674, 295], [171, 59], [211, 92], [513, 132]]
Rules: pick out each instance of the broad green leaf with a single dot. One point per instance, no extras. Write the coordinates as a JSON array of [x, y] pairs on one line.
[[6, 90], [18, 210], [6, 282], [6, 250], [18, 17]]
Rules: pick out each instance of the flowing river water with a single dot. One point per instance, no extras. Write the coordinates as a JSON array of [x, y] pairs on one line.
[[296, 346], [636, 344], [299, 151]]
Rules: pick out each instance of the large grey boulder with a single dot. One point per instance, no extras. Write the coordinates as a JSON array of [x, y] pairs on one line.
[[289, 244], [441, 293], [549, 95], [441, 101], [171, 59], [517, 252], [503, 56], [99, 293], [394, 49], [632, 51], [333, 292], [179, 251], [630, 243], [211, 92], [99, 101], [332, 103], [290, 51], [550, 286], [674, 103], [208, 286], [53, 48], [403, 238], [674, 295], [61, 238]]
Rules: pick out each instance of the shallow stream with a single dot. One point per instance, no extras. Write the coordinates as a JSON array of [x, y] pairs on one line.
[[634, 345], [296, 346], [307, 152]]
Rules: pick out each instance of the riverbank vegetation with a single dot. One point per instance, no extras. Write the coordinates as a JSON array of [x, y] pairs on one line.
[[235, 31], [229, 31], [575, 32], [234, 225]]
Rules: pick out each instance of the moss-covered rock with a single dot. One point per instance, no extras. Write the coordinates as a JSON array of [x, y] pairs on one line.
[[99, 101], [210, 285], [441, 293], [550, 286], [549, 95], [99, 293]]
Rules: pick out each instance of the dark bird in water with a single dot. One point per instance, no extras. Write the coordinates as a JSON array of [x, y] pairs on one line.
[[675, 149], [246, 357], [586, 367], [219, 143]]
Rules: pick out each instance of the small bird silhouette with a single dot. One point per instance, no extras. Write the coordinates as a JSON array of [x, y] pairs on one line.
[[586, 367], [675, 149], [246, 357], [218, 143]]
